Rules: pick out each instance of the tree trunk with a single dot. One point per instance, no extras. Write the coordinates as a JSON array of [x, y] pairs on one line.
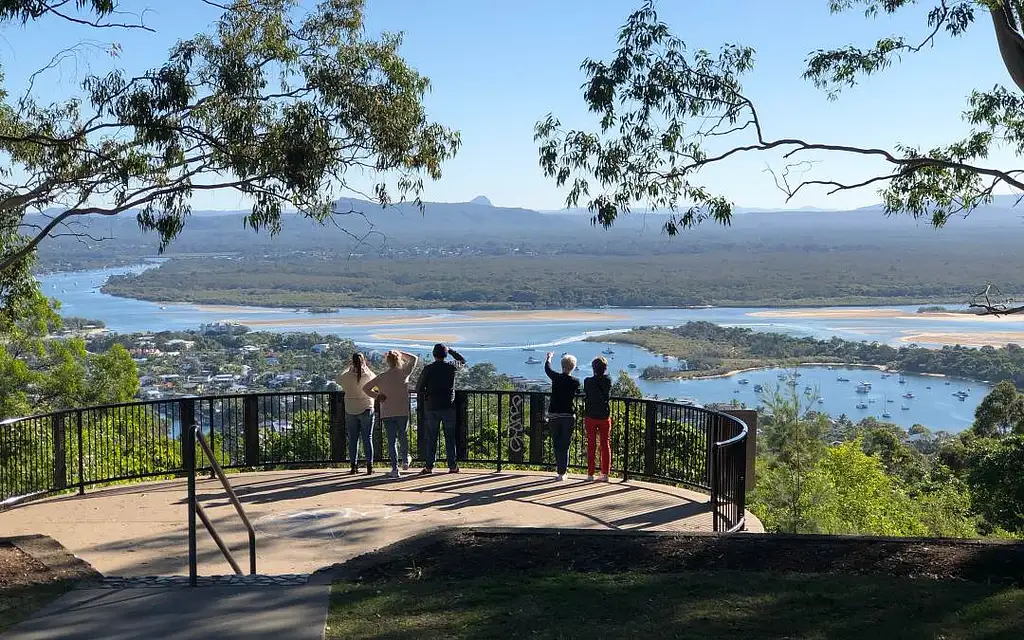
[[1011, 44]]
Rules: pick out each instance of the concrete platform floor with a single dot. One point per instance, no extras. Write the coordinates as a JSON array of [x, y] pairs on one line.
[[309, 519]]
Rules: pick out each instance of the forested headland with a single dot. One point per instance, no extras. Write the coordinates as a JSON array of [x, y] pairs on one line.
[[710, 349], [863, 277]]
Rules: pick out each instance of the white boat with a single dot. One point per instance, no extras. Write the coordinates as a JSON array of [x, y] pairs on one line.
[[743, 381], [842, 379], [908, 395], [632, 366], [861, 405], [821, 400], [758, 388], [886, 415], [532, 360], [608, 352], [863, 388]]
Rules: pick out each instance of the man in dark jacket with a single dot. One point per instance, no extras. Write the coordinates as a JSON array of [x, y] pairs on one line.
[[435, 391]]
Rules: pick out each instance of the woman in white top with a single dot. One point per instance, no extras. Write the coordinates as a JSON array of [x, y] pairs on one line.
[[392, 389], [358, 411]]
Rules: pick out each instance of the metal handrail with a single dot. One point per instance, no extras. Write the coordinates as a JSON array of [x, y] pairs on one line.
[[196, 509], [48, 467], [232, 497]]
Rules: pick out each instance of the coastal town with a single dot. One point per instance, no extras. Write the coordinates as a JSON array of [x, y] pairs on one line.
[[229, 358]]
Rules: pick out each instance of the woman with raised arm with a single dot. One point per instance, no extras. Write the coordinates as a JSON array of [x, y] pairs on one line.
[[562, 410], [358, 411], [391, 388], [597, 392]]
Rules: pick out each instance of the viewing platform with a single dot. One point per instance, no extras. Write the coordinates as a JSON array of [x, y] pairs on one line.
[[674, 467], [309, 519]]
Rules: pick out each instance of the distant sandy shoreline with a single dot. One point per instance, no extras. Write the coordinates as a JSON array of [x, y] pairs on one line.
[[418, 337], [422, 319], [879, 314], [980, 339]]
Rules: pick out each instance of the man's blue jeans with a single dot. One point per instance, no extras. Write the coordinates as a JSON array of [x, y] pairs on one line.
[[360, 425], [434, 420]]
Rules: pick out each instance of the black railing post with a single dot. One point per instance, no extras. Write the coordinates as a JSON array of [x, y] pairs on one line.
[[741, 482], [537, 428], [336, 418], [650, 438], [625, 449], [516, 428], [462, 424], [59, 479], [210, 441], [499, 431], [188, 451], [81, 455], [421, 431], [713, 484], [251, 429]]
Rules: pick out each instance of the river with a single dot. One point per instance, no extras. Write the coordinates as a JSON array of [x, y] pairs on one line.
[[503, 338]]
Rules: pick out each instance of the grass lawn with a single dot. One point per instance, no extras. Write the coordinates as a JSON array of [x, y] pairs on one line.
[[675, 605]]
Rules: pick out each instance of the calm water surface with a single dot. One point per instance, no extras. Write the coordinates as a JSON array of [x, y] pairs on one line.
[[505, 342]]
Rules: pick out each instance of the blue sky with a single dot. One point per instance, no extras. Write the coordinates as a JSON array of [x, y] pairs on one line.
[[499, 66]]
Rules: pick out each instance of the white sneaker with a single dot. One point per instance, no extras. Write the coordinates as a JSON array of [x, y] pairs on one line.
[[560, 477], [394, 473], [590, 478], [602, 478]]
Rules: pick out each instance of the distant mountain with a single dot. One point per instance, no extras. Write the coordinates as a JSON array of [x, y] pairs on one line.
[[481, 200], [365, 227]]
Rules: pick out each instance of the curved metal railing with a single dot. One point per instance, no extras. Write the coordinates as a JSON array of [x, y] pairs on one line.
[[651, 439]]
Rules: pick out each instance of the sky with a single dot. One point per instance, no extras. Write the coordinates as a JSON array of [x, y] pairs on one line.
[[499, 66]]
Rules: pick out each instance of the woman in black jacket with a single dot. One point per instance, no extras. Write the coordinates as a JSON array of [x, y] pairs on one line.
[[597, 391], [562, 409]]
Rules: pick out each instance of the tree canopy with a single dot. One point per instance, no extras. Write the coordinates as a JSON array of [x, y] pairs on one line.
[[278, 101], [666, 111]]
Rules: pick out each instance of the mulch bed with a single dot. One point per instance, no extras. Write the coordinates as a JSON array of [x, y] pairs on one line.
[[468, 553], [34, 570], [18, 568]]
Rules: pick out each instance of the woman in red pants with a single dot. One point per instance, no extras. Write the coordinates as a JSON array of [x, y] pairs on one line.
[[597, 391]]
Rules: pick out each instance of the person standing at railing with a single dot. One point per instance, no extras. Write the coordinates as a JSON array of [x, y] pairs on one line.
[[436, 389], [562, 410], [358, 410], [391, 388], [597, 392]]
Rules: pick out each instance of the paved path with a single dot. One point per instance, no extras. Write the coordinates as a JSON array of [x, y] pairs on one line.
[[181, 613], [310, 519]]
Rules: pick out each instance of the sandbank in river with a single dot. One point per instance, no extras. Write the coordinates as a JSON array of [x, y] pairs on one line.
[[426, 318]]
